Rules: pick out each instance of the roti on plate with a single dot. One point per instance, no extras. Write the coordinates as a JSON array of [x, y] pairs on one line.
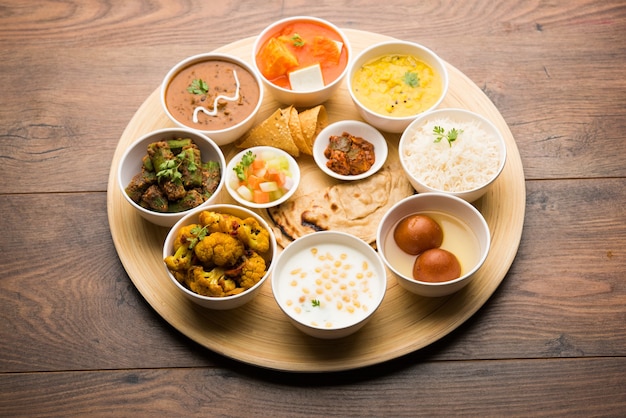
[[355, 207]]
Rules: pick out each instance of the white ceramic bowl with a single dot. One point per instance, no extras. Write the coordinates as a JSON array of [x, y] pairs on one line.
[[232, 182], [416, 163], [355, 128], [304, 98], [131, 162], [386, 122], [466, 235], [220, 136], [322, 314], [227, 302]]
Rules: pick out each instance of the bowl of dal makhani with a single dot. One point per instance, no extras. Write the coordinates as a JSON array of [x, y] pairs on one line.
[[393, 82], [302, 59], [454, 151], [216, 94]]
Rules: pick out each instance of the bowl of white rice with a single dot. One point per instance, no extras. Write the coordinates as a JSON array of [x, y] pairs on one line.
[[453, 151]]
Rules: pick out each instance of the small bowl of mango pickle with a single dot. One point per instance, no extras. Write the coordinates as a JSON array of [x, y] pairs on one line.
[[350, 150]]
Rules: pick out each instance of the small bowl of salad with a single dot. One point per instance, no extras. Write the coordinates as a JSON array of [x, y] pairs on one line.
[[262, 177]]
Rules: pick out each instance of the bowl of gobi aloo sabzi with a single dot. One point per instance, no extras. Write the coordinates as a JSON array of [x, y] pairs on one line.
[[219, 256]]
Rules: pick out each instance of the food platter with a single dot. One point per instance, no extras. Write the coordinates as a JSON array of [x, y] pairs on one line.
[[259, 333]]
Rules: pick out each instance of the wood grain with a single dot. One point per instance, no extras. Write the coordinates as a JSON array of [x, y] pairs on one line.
[[78, 339], [185, 392]]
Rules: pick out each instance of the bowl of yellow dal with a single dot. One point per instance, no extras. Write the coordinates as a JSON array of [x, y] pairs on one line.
[[393, 82]]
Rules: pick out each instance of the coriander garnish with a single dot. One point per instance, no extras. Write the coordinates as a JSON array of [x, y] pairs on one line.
[[169, 170], [198, 86], [315, 303], [451, 136], [297, 40], [411, 79], [246, 161], [199, 234]]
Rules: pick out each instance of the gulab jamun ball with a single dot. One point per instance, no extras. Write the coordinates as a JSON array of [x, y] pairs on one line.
[[417, 233], [436, 265]]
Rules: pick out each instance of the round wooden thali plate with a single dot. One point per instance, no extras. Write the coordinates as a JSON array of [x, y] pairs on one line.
[[259, 333]]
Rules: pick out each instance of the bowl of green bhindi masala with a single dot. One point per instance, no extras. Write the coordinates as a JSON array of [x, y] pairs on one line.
[[167, 172]]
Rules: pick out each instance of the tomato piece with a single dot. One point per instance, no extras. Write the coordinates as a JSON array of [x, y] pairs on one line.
[[254, 181], [276, 175], [259, 196], [257, 164]]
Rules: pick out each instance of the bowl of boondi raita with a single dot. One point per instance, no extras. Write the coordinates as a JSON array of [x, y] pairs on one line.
[[329, 283]]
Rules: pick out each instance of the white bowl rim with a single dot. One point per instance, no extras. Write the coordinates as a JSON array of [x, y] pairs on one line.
[[466, 112], [327, 235], [295, 172], [207, 56], [276, 24], [219, 207], [381, 153], [444, 76], [477, 266], [166, 131]]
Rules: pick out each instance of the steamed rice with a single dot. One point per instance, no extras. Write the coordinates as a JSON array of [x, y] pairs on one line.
[[473, 159]]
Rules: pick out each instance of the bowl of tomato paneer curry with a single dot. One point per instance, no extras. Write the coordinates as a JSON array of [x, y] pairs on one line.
[[302, 60]]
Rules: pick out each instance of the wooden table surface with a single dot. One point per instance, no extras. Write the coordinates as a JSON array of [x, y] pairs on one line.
[[77, 338]]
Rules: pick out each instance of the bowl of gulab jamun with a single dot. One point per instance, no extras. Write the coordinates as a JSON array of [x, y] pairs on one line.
[[433, 243]]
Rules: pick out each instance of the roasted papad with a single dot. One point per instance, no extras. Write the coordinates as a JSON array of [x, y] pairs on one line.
[[289, 130], [354, 207]]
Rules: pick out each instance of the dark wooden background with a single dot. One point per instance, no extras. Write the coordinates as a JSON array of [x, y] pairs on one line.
[[76, 337]]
